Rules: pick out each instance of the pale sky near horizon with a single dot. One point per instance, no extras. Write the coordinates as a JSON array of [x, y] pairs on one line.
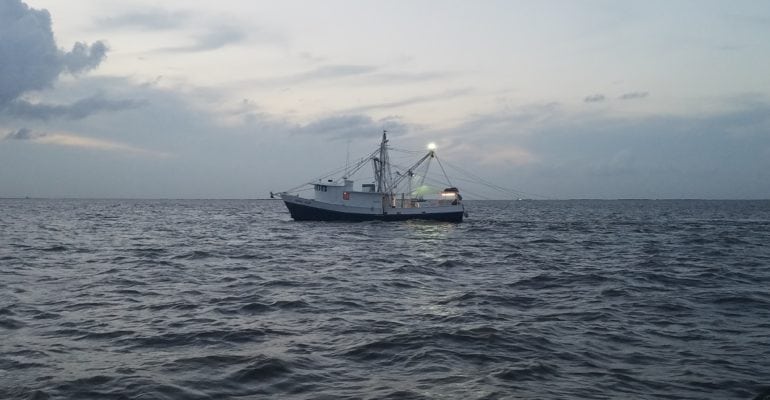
[[236, 98]]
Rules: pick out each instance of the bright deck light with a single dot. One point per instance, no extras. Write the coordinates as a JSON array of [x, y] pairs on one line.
[[431, 146]]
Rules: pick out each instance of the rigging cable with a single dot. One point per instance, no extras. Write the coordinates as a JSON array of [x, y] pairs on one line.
[[359, 164], [491, 185], [442, 170]]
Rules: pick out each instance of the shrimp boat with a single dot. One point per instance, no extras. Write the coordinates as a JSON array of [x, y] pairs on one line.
[[378, 199]]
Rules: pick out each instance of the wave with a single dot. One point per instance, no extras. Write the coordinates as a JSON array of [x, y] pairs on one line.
[[208, 299]]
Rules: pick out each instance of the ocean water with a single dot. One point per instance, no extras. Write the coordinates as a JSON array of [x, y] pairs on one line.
[[142, 299]]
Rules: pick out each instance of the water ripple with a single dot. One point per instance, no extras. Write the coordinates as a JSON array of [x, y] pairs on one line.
[[139, 299]]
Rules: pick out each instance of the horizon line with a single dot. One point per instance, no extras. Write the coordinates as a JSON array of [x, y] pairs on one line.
[[267, 198]]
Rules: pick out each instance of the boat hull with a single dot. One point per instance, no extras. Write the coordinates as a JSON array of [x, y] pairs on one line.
[[317, 212]]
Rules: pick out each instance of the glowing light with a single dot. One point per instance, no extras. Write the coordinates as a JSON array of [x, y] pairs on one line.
[[431, 146]]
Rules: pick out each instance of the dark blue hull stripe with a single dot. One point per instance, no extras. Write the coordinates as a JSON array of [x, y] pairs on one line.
[[302, 212]]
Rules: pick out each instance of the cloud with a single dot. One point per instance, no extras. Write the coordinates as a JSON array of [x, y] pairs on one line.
[[83, 57], [719, 155], [204, 32], [598, 98], [371, 74], [212, 40], [78, 141], [310, 58], [496, 140], [728, 47], [70, 140], [514, 122], [331, 71], [412, 100], [77, 110], [560, 152], [508, 155], [325, 72], [347, 126], [148, 19], [30, 59], [543, 148], [20, 134], [745, 19], [594, 98], [406, 77], [634, 95]]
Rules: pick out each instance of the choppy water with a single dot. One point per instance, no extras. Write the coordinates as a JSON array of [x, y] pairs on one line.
[[134, 299]]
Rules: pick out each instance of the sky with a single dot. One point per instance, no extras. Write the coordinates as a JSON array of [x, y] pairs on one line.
[[237, 98]]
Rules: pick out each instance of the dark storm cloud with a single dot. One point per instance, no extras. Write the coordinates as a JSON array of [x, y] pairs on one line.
[[29, 57], [77, 110], [634, 95], [594, 98]]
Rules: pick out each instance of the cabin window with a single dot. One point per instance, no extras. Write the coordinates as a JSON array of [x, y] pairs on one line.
[[320, 188]]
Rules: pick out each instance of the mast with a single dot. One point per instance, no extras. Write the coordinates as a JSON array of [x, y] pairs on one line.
[[382, 167]]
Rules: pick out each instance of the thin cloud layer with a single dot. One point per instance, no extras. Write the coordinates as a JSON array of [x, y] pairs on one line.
[[349, 126], [598, 98], [634, 95], [78, 141], [80, 109], [324, 72], [71, 140], [148, 19], [506, 156], [370, 74], [594, 98], [214, 39], [202, 32], [412, 101]]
